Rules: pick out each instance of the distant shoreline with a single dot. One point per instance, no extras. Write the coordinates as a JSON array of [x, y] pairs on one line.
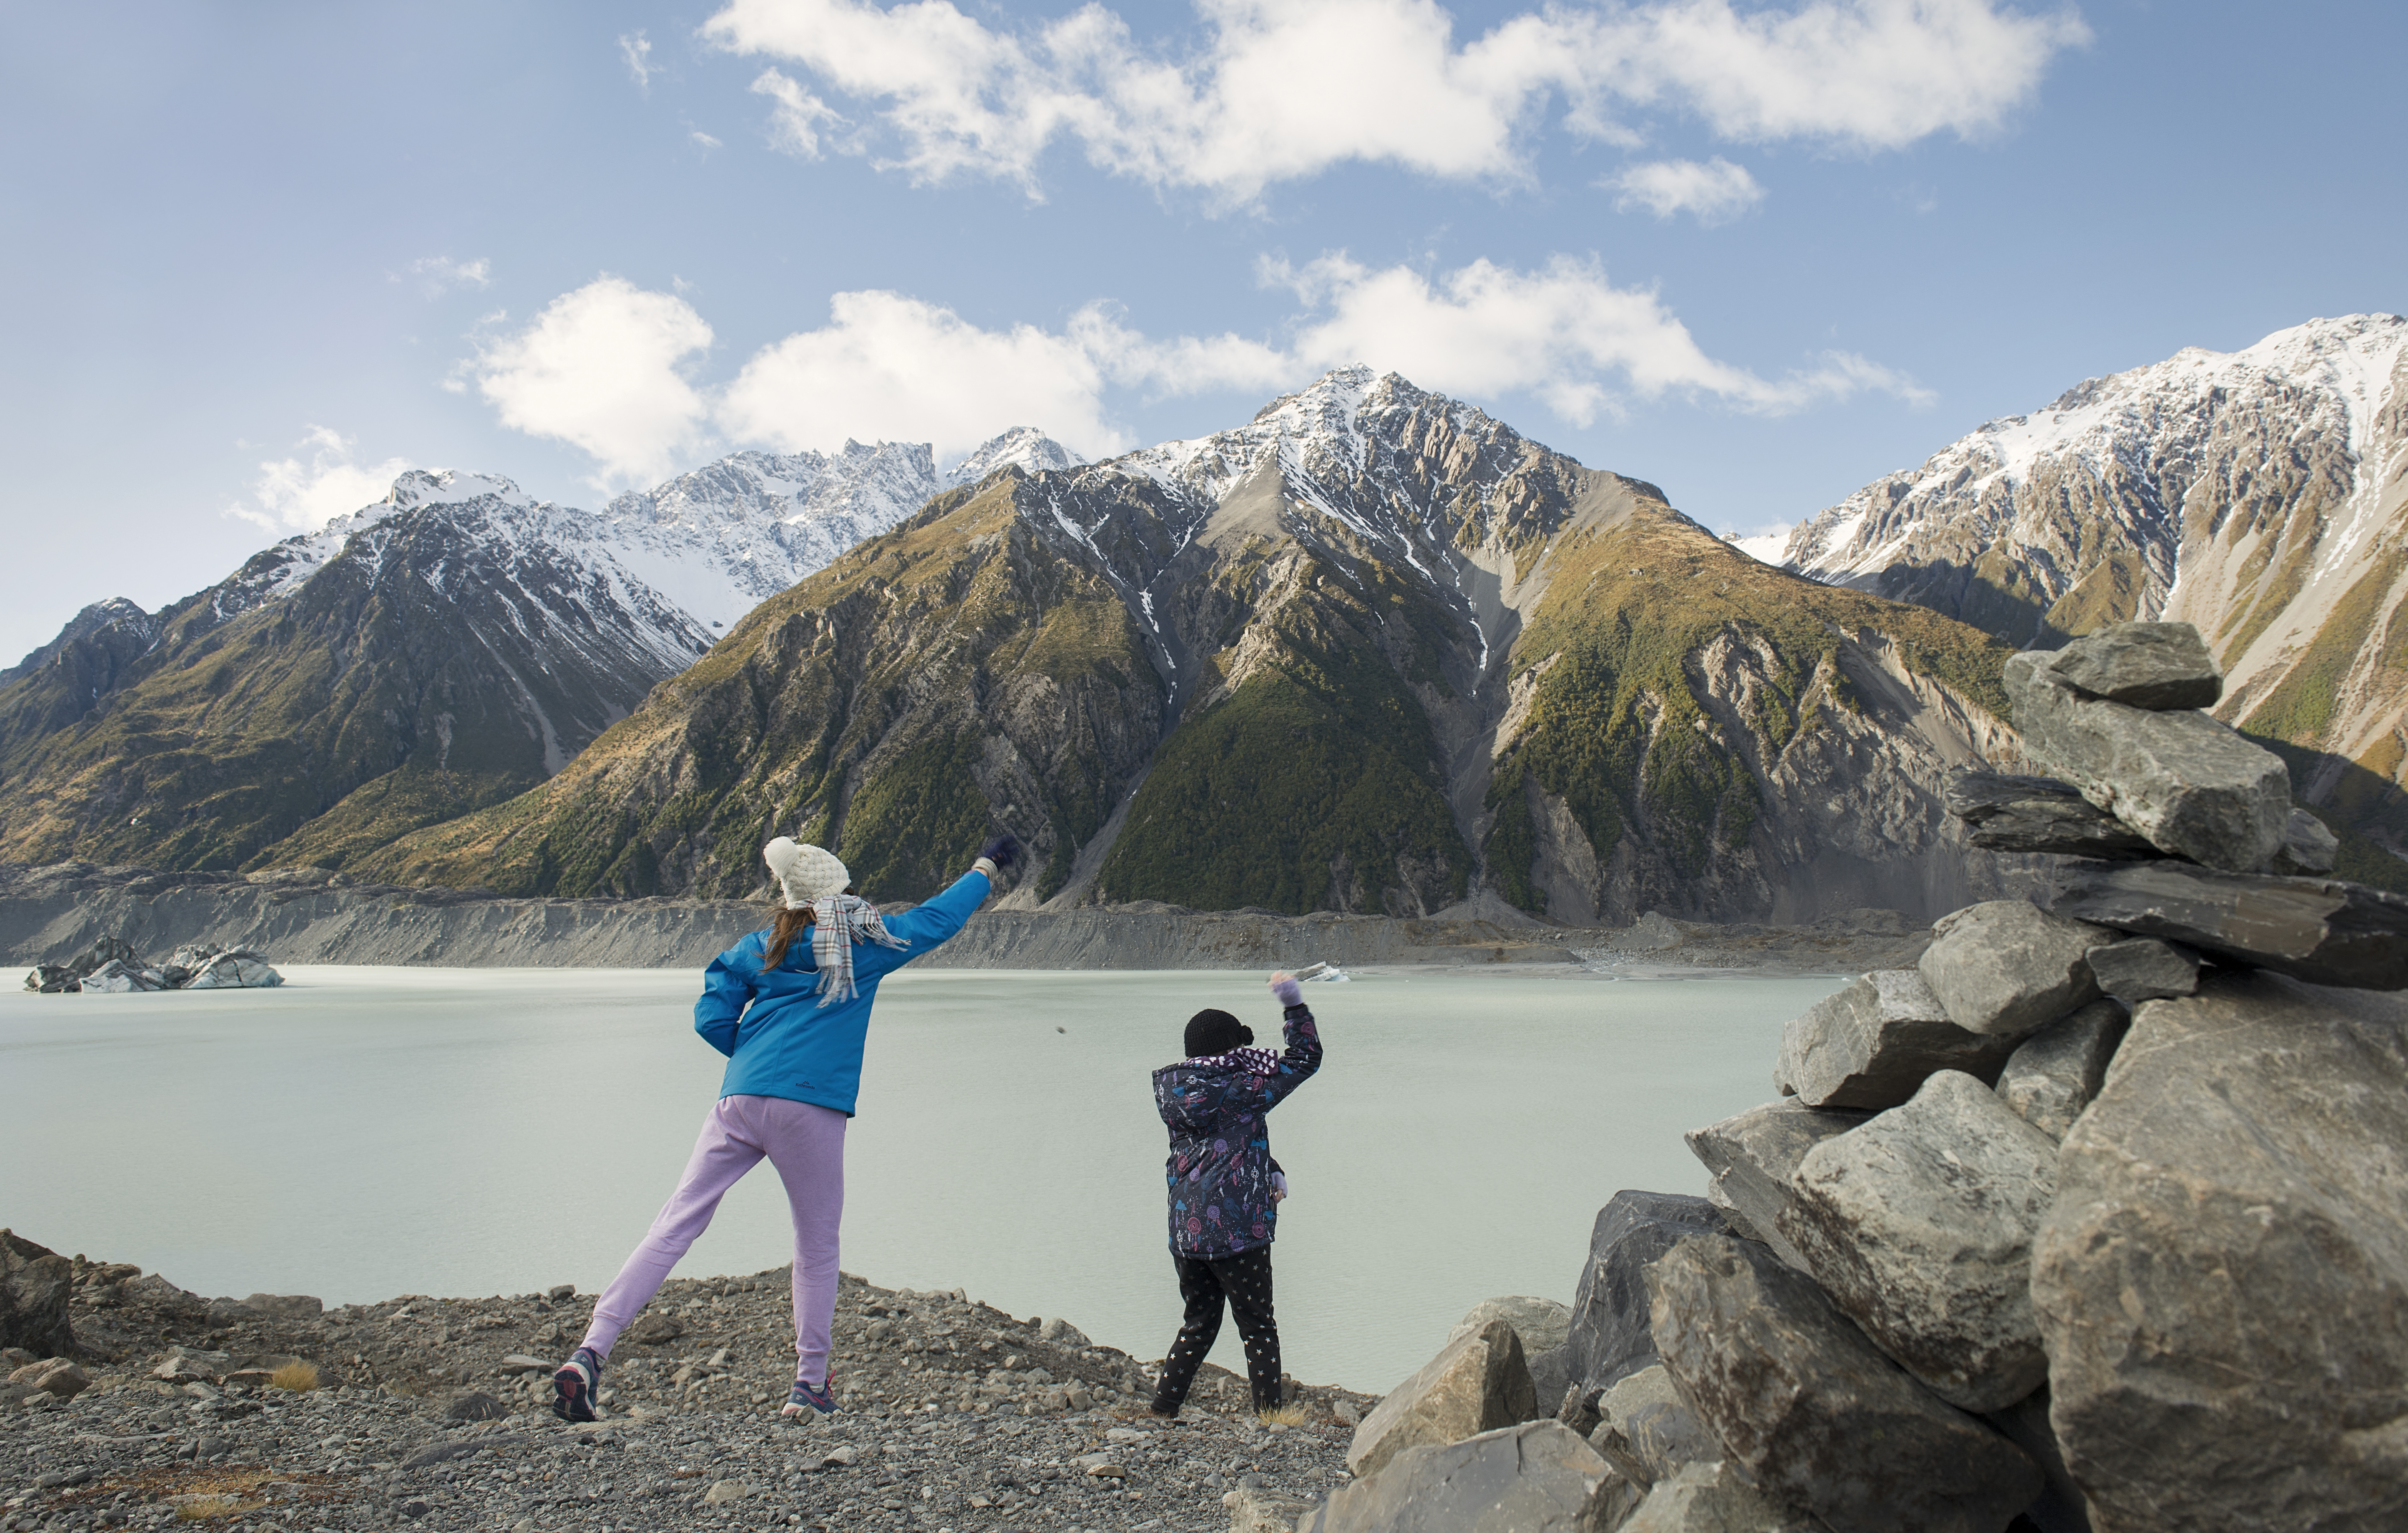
[[48, 915]]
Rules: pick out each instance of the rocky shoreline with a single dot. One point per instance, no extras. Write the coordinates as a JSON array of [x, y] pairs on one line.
[[315, 916], [163, 1406]]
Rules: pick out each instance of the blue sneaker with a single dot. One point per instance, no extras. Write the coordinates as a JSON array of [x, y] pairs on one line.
[[574, 1383], [812, 1401]]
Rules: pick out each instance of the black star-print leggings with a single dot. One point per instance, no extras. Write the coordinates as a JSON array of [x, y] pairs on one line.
[[1245, 1281]]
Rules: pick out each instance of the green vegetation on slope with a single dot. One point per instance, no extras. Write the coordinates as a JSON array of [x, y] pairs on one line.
[[1311, 787], [1620, 728]]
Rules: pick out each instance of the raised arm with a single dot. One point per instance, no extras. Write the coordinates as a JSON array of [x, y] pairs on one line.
[[1303, 1055], [926, 925]]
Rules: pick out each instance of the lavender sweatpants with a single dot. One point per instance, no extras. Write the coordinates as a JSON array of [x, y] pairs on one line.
[[806, 1143]]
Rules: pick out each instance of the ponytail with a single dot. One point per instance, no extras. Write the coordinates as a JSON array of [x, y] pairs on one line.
[[789, 925]]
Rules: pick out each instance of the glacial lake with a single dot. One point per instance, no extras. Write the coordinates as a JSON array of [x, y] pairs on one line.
[[368, 1132]]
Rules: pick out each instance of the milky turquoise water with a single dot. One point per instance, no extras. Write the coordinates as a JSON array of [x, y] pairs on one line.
[[366, 1132]]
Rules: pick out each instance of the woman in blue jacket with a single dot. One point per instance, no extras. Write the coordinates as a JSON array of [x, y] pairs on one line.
[[791, 1016]]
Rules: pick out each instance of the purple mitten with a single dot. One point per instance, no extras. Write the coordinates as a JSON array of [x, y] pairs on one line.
[[1286, 989]]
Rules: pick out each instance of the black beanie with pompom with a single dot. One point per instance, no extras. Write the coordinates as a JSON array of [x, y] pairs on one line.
[[1212, 1031]]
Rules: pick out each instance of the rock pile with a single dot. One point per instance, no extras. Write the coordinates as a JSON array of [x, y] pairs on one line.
[[113, 968], [2095, 1218]]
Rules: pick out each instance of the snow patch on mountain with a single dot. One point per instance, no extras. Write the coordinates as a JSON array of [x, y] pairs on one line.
[[2333, 375]]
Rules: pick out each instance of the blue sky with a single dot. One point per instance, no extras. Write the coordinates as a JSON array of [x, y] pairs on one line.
[[266, 254]]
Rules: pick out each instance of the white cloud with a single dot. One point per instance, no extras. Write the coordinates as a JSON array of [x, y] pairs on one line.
[[604, 368], [302, 494], [1716, 191], [1285, 89], [892, 367], [703, 140], [440, 274], [637, 50], [795, 121], [1564, 334]]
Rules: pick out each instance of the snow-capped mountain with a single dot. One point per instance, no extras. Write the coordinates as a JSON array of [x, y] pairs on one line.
[[447, 647], [1372, 650], [2260, 493], [724, 538]]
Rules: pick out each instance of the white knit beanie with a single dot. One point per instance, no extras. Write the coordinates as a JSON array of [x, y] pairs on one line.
[[806, 873]]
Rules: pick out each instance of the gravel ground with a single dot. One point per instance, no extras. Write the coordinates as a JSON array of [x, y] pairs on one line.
[[956, 1416]]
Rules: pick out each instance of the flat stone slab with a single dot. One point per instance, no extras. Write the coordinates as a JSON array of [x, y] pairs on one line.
[[1813, 1412], [2190, 784], [2222, 1282], [2007, 967], [1476, 1384], [1538, 1476], [2154, 666], [1609, 1335], [1753, 1155], [2059, 1070], [1919, 1225], [1870, 1044], [2144, 969], [2039, 814], [2325, 931]]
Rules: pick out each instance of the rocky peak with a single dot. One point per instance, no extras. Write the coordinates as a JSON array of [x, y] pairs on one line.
[[116, 625], [1025, 447]]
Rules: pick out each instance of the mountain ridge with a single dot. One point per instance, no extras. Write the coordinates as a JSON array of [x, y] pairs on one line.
[[1271, 667]]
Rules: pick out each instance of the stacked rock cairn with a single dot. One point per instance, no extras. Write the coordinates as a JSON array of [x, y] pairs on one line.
[[2097, 1218]]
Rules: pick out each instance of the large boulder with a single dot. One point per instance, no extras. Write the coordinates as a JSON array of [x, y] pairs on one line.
[[2325, 931], [1713, 1498], [2154, 666], [1869, 1044], [1538, 1476], [2058, 1069], [2190, 784], [1813, 1412], [1919, 1226], [36, 1283], [1476, 1384], [1609, 1335], [1752, 1156], [1543, 1323], [2222, 1282], [2039, 814], [2008, 968]]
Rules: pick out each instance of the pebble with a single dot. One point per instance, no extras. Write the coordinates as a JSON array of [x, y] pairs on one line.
[[957, 1418]]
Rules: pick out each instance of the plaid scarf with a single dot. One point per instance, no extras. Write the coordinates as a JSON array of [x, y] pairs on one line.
[[838, 921], [1247, 1061]]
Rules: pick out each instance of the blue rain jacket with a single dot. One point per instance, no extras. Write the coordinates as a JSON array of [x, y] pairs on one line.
[[1219, 1170], [778, 1041]]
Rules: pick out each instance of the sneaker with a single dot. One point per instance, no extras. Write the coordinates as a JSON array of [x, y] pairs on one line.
[[574, 1385], [812, 1401]]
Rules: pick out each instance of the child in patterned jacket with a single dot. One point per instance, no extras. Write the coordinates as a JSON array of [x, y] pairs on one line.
[[1223, 1186]]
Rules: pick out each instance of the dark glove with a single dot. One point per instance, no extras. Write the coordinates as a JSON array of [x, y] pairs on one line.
[[1003, 851]]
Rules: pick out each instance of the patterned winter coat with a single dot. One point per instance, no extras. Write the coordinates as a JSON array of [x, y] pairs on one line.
[[1219, 1170]]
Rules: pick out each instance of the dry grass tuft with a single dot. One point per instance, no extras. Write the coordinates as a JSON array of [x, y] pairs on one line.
[[1284, 1416], [197, 1509], [300, 1378]]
